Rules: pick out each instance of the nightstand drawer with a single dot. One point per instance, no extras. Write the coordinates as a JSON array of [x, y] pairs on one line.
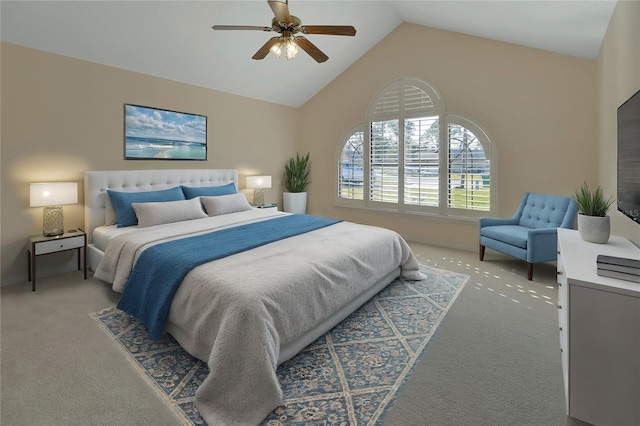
[[59, 245]]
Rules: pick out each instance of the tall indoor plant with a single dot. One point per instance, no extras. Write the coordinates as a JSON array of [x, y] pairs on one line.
[[296, 180], [593, 223]]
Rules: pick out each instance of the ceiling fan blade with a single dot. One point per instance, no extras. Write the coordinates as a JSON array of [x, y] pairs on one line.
[[280, 10], [240, 27], [311, 49], [344, 30], [264, 50]]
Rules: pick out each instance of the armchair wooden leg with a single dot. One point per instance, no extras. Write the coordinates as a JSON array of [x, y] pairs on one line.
[[529, 271], [481, 252]]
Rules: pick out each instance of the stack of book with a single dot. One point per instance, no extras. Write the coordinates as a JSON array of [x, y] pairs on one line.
[[619, 267]]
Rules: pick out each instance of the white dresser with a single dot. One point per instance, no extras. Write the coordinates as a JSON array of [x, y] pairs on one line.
[[599, 320]]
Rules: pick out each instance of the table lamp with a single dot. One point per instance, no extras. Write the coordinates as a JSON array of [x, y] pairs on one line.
[[258, 183], [52, 195]]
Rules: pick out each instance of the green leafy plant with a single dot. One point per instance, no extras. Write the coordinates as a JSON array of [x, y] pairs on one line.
[[296, 174], [592, 202]]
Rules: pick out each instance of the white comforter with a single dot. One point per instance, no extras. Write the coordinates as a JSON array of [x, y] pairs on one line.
[[236, 313]]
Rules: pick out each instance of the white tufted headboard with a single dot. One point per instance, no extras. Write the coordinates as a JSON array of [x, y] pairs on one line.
[[96, 184]]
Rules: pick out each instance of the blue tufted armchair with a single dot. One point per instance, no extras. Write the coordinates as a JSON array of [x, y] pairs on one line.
[[531, 234]]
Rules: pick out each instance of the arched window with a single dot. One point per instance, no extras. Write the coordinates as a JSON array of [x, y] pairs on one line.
[[468, 166], [412, 156], [351, 174]]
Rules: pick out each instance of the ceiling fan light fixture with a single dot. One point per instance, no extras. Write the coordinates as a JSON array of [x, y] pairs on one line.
[[291, 49], [276, 49]]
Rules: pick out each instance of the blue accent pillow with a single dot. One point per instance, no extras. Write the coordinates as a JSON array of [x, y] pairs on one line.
[[209, 191], [121, 202]]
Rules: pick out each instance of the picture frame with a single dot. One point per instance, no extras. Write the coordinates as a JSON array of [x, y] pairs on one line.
[[161, 134]]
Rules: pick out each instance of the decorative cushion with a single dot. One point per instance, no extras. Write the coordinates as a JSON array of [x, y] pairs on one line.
[[510, 234], [224, 204], [121, 202], [544, 211], [209, 191], [150, 214]]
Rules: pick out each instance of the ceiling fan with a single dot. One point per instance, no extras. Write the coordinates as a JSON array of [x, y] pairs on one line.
[[288, 26]]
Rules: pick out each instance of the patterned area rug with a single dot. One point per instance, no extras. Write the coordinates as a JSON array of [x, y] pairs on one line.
[[349, 376]]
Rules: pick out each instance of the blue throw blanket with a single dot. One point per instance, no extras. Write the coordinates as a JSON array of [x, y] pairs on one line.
[[161, 268]]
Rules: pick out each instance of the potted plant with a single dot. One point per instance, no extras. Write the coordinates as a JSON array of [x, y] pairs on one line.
[[593, 222], [296, 180]]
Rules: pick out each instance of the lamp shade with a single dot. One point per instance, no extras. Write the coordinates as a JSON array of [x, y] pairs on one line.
[[53, 193], [258, 182]]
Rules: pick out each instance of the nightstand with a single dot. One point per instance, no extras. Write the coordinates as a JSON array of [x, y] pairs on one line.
[[40, 245]]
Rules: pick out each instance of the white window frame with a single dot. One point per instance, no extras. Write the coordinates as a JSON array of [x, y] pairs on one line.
[[437, 109]]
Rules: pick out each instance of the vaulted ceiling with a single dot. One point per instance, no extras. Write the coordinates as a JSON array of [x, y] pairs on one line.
[[174, 39]]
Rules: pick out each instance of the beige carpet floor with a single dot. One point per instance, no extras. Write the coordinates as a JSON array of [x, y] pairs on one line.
[[494, 361]]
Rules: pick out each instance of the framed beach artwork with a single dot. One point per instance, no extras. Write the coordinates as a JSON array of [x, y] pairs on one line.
[[160, 134]]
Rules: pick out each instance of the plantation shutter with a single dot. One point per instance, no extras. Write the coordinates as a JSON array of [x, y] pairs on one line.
[[385, 157], [384, 135], [416, 99], [422, 161], [401, 108], [418, 158]]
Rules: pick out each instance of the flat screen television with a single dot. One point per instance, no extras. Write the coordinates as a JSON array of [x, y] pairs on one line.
[[628, 195]]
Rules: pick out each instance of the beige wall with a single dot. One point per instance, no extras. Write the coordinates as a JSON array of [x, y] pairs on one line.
[[62, 116], [618, 79], [538, 107]]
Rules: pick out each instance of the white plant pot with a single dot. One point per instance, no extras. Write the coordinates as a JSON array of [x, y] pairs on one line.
[[295, 202], [594, 229]]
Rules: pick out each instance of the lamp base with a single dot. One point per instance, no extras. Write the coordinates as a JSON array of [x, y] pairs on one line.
[[52, 221], [258, 197]]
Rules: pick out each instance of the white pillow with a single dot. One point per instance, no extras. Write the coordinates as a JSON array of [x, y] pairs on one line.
[[224, 204], [157, 213]]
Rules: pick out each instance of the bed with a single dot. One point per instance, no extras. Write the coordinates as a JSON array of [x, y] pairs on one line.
[[246, 312]]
